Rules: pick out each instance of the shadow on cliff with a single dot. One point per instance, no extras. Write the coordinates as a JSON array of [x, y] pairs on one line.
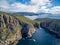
[[25, 30]]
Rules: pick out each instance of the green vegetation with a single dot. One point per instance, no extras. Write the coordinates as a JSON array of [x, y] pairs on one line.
[[21, 18], [57, 21]]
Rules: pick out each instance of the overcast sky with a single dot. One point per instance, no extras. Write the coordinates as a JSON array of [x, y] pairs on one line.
[[37, 6]]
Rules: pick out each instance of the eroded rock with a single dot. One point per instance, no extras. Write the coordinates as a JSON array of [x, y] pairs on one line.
[[52, 27], [12, 29]]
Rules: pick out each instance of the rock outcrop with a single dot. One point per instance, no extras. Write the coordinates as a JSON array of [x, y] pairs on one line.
[[12, 29], [52, 27], [37, 25]]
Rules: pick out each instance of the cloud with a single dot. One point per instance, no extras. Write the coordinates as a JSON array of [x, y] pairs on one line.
[[32, 17], [36, 6], [43, 9], [40, 2], [55, 10], [33, 6], [4, 4], [18, 7]]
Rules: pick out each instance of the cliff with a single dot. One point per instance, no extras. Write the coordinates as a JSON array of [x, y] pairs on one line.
[[52, 26], [13, 28]]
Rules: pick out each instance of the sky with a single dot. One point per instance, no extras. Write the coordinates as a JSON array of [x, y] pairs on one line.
[[36, 6]]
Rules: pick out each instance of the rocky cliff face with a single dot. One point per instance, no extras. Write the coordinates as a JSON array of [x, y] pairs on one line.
[[52, 27], [37, 25], [12, 29]]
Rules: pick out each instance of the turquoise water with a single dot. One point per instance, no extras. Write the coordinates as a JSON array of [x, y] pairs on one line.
[[40, 37]]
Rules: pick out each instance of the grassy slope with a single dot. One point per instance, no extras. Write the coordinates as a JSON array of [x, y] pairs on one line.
[[56, 21], [21, 18]]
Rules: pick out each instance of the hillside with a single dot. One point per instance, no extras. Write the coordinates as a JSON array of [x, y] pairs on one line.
[[14, 27], [52, 26]]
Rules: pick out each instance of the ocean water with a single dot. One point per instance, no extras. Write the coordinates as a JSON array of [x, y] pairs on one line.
[[40, 37]]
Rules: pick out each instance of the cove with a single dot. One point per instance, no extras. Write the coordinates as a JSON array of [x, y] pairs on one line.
[[40, 37]]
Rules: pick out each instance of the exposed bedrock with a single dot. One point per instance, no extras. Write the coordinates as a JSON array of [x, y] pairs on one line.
[[52, 27], [12, 29]]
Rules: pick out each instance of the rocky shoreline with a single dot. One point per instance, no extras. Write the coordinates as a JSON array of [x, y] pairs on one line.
[[51, 27]]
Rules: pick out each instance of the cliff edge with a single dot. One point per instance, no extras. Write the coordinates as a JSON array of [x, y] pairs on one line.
[[12, 29]]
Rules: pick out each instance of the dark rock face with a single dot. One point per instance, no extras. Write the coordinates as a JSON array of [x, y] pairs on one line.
[[52, 27], [25, 30], [5, 19], [36, 25]]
